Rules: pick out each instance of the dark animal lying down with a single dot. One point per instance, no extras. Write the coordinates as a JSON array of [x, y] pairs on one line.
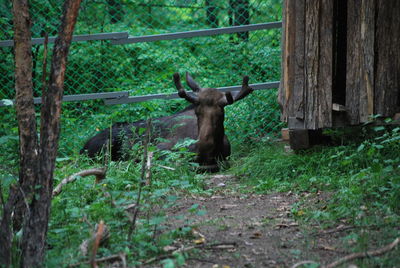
[[203, 121]]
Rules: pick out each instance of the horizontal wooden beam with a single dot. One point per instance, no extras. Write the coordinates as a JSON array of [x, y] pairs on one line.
[[75, 38], [79, 97], [197, 33], [166, 96], [121, 97]]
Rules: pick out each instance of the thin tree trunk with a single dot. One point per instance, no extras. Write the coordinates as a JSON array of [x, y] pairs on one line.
[[28, 149], [35, 230], [24, 107], [6, 233]]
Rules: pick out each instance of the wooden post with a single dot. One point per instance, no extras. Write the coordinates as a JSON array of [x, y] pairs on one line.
[[387, 58]]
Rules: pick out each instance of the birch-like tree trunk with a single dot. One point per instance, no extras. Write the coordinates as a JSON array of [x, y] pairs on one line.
[[31, 199]]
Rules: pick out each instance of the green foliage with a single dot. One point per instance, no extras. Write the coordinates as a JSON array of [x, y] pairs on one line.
[[144, 68], [84, 203]]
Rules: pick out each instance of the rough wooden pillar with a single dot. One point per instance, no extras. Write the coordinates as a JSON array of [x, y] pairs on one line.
[[288, 37], [360, 60], [296, 102], [387, 57], [318, 63]]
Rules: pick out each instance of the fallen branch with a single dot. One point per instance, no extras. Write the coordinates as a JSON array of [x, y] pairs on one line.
[[340, 228], [98, 238], [226, 245], [120, 256], [303, 263], [100, 174], [371, 253]]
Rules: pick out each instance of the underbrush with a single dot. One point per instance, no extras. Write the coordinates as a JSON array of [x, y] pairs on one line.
[[115, 200], [361, 178]]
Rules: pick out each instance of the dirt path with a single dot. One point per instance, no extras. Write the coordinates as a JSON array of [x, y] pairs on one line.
[[252, 230]]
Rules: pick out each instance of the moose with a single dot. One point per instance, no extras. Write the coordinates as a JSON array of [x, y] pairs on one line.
[[202, 120]]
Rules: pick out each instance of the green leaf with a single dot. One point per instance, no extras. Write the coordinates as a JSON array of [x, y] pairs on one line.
[[361, 147], [379, 128], [193, 208], [157, 220], [168, 263], [201, 212]]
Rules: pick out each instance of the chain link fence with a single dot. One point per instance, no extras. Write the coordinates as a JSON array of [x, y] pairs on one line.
[[147, 68]]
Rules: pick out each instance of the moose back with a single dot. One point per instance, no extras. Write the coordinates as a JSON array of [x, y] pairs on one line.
[[203, 121]]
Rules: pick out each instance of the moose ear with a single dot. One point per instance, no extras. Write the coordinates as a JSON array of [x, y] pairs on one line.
[[227, 99], [192, 84]]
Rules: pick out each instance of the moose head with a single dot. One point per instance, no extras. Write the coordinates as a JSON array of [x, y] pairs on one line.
[[212, 145]]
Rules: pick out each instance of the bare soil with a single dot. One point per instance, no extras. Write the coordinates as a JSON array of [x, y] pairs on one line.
[[252, 230]]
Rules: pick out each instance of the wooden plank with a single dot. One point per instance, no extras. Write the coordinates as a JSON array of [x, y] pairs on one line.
[[338, 107], [285, 134], [121, 97], [367, 33], [312, 63], [198, 33], [284, 66], [387, 58], [325, 74], [298, 94], [75, 38], [353, 62], [166, 96]]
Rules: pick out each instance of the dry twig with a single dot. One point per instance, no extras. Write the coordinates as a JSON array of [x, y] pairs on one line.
[[359, 255], [222, 246], [370, 253], [303, 263], [44, 71], [99, 234], [120, 256], [142, 178], [100, 174]]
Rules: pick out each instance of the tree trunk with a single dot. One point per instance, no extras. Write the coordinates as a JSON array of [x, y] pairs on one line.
[[37, 166], [25, 108], [35, 230], [6, 233], [20, 195]]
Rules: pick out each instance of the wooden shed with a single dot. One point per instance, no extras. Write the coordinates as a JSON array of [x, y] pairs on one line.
[[340, 64]]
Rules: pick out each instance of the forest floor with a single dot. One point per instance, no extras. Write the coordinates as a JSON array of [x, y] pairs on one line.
[[242, 229]]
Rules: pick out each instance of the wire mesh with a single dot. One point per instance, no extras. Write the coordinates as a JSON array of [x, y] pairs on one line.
[[147, 68]]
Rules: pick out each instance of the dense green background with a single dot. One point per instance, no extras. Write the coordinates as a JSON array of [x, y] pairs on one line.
[[361, 173], [147, 68]]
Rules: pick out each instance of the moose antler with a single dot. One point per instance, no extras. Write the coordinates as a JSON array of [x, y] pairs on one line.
[[181, 91], [246, 90], [192, 84]]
